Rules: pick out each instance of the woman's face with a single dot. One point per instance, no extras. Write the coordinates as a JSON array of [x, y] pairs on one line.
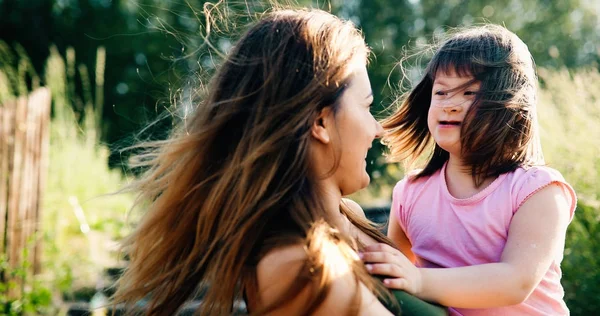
[[355, 128]]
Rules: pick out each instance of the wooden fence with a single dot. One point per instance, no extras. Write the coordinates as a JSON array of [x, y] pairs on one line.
[[24, 142]]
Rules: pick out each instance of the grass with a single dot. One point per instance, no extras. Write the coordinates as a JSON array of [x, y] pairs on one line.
[[81, 220]]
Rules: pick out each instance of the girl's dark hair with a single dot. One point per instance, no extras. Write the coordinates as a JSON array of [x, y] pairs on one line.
[[499, 132]]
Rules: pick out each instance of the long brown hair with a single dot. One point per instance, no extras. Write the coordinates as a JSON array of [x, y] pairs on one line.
[[499, 132], [233, 182]]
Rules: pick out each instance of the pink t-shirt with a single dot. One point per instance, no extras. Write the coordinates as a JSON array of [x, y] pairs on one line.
[[448, 232]]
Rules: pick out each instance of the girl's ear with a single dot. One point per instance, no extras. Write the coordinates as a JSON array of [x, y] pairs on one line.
[[321, 127]]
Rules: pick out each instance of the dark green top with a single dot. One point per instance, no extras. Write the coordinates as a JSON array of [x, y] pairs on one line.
[[409, 305]]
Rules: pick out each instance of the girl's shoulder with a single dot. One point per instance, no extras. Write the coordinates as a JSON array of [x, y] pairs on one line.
[[523, 177], [526, 181]]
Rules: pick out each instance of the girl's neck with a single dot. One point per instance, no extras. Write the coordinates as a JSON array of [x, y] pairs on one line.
[[459, 179]]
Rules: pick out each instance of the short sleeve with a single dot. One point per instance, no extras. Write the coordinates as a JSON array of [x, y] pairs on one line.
[[538, 178], [397, 209]]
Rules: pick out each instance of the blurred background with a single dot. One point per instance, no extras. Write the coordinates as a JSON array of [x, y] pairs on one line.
[[81, 79]]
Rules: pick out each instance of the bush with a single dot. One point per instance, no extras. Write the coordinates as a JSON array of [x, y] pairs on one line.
[[581, 266]]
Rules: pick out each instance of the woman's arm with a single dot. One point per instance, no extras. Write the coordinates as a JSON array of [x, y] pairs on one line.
[[536, 237], [278, 270]]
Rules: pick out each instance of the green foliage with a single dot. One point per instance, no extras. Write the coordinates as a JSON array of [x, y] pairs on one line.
[[36, 298], [558, 33], [82, 218], [569, 112], [581, 265], [153, 47]]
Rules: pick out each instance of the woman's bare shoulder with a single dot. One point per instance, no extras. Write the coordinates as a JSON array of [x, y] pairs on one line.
[[354, 207], [278, 270], [286, 258], [279, 267]]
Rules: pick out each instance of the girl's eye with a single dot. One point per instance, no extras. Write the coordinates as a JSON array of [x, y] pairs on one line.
[[440, 92], [470, 92]]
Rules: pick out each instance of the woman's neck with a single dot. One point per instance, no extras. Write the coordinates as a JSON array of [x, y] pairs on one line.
[[331, 199], [459, 179]]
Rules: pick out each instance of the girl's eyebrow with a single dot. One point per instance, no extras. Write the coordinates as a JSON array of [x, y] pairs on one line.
[[440, 82]]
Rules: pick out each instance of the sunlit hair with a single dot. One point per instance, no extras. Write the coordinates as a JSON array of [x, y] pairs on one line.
[[234, 181], [500, 131]]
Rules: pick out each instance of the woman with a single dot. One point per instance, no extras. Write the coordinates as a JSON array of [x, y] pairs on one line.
[[245, 198]]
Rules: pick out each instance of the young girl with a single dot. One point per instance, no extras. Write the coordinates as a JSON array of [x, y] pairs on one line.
[[482, 226]]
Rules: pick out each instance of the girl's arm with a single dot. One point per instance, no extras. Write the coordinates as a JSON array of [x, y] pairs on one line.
[[397, 235], [536, 238]]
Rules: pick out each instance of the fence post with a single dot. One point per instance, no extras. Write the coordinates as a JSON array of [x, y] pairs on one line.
[[24, 146]]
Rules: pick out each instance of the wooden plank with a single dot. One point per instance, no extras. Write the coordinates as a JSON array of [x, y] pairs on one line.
[[29, 183], [14, 218], [8, 128], [9, 150], [5, 113], [44, 158], [24, 155]]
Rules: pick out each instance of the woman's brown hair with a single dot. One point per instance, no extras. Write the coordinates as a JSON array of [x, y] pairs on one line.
[[499, 132], [233, 182]]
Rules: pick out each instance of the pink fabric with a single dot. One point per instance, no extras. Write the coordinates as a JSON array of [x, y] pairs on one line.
[[448, 232]]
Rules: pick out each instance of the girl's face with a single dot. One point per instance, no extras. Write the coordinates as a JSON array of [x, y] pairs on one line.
[[449, 105]]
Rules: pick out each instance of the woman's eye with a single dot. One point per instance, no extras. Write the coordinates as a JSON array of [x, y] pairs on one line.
[[440, 92], [470, 92]]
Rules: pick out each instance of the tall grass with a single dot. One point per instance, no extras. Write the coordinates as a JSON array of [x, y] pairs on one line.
[[569, 114], [569, 117], [81, 221]]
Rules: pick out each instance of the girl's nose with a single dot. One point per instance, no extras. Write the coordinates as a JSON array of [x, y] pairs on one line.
[[451, 108], [449, 105]]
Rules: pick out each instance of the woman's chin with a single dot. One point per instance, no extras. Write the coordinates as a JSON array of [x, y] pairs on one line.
[[365, 181]]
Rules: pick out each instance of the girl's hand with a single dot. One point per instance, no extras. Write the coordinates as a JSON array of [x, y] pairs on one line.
[[384, 260]]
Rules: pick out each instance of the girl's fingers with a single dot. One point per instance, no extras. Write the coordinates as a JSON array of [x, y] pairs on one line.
[[385, 248], [396, 284], [390, 270]]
